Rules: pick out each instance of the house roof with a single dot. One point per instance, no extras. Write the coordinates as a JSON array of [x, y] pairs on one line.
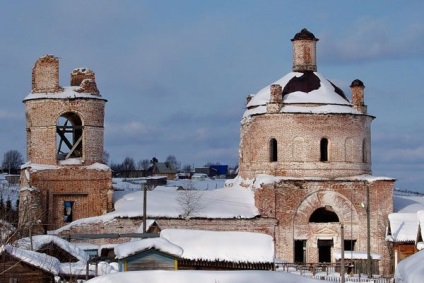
[[164, 168], [222, 245], [134, 247], [403, 227], [205, 245], [40, 260], [39, 241]]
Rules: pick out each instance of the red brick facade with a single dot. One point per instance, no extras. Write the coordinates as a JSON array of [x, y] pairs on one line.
[[322, 158], [52, 179]]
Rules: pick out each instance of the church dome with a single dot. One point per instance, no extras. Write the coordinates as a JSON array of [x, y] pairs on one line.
[[304, 89]]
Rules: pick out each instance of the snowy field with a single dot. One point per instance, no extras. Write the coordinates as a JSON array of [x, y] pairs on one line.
[[185, 276]]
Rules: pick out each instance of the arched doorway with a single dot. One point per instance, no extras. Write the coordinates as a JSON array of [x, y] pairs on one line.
[[316, 225], [324, 214]]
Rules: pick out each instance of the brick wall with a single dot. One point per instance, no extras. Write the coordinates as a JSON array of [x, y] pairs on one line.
[[42, 116], [298, 139], [292, 202], [88, 189]]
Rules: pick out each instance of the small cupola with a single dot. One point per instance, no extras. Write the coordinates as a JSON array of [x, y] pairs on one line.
[[304, 51], [357, 89]]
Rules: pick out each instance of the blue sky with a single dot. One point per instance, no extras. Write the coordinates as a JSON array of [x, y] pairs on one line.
[[176, 73]]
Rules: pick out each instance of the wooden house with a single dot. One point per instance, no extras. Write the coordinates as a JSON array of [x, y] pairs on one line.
[[198, 250], [72, 260], [19, 265], [148, 254], [402, 233], [163, 169]]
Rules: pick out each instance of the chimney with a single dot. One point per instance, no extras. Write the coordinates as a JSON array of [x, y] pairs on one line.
[[275, 100], [357, 89], [304, 52], [45, 75]]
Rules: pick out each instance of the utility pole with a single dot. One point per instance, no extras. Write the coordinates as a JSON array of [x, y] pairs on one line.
[[369, 266], [342, 259], [144, 207]]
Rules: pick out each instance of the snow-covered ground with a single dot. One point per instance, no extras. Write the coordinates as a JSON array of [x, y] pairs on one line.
[[411, 269], [185, 276]]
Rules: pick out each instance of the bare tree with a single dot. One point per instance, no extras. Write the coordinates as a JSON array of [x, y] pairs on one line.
[[12, 160], [191, 202], [128, 164], [186, 168], [143, 164], [172, 160]]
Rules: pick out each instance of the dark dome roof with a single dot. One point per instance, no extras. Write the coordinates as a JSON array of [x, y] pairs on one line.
[[308, 82], [304, 34], [356, 83]]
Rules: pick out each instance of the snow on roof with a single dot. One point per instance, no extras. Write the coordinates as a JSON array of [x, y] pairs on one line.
[[325, 95], [184, 276], [235, 202], [34, 167], [43, 261], [408, 204], [69, 92], [220, 203], [403, 227], [39, 241], [411, 269], [355, 255], [222, 245], [133, 247], [261, 179]]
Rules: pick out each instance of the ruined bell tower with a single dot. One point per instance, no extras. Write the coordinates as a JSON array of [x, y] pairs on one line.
[[65, 177]]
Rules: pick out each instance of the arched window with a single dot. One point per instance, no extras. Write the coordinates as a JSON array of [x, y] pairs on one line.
[[324, 149], [69, 131], [324, 215], [364, 151], [273, 154]]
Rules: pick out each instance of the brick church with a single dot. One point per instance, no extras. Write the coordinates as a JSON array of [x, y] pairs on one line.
[[305, 131], [302, 132]]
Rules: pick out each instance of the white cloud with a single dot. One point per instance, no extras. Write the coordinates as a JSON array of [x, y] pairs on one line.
[[130, 128], [8, 115], [373, 39], [400, 155]]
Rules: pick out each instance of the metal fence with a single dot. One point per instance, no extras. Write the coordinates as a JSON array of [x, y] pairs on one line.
[[330, 272]]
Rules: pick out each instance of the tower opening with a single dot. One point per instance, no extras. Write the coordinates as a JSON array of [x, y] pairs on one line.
[[69, 131], [273, 154], [324, 149]]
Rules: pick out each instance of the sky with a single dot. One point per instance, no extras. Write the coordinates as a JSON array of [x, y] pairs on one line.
[[176, 74]]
